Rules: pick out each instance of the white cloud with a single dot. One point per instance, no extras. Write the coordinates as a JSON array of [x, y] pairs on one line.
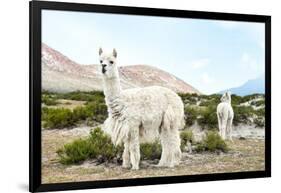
[[200, 63], [206, 79]]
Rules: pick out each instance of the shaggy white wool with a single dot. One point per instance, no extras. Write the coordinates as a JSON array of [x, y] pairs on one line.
[[141, 115], [225, 116]]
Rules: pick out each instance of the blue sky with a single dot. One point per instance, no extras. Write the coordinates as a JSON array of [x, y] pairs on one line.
[[210, 55]]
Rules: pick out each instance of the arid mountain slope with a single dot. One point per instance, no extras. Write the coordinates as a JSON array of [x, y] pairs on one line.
[[61, 74]]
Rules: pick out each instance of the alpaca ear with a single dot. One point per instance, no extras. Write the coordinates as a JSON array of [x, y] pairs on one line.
[[100, 51], [228, 93], [114, 53]]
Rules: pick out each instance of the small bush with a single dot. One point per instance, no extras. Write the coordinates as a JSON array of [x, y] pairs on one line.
[[242, 114], [83, 96], [81, 113], [102, 145], [57, 118], [212, 142], [190, 99], [260, 112], [97, 145], [190, 115], [210, 101], [98, 110], [258, 103], [208, 118], [75, 152], [259, 121], [186, 136], [150, 150], [49, 100], [236, 100], [62, 117], [251, 97]]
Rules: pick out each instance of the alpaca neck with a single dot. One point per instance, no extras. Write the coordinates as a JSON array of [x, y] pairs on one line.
[[228, 101], [112, 88], [112, 91]]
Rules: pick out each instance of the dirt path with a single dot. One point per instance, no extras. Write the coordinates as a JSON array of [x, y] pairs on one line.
[[245, 155]]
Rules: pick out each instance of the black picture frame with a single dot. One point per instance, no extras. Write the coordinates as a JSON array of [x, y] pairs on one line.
[[35, 8]]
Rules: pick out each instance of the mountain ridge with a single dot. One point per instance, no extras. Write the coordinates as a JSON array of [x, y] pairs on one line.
[[252, 86], [61, 74]]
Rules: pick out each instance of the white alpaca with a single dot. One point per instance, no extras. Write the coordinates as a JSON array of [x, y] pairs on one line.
[[141, 115], [225, 116]]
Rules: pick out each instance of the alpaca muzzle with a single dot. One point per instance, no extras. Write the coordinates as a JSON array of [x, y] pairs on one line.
[[103, 68]]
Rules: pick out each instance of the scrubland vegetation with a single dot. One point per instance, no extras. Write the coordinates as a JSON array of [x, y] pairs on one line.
[[200, 108], [59, 114], [99, 146]]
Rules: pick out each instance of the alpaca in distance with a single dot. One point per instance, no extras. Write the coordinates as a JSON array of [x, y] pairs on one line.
[[225, 116], [141, 115]]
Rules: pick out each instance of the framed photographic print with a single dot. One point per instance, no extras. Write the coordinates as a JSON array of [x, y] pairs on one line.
[[126, 96]]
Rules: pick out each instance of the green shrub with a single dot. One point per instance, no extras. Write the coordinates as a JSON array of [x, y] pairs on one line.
[[62, 117], [49, 100], [259, 121], [97, 145], [260, 112], [208, 117], [212, 142], [57, 118], [190, 99], [186, 136], [83, 96], [236, 100], [151, 150], [210, 100], [242, 114], [98, 109], [74, 152], [101, 145], [190, 115], [81, 113], [251, 97], [258, 102]]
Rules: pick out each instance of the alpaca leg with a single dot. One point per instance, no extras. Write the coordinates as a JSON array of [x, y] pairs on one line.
[[164, 160], [134, 148], [223, 128], [171, 153], [126, 155], [219, 123], [175, 147], [229, 129]]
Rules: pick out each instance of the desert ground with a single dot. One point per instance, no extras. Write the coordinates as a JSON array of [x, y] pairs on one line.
[[246, 151], [246, 154]]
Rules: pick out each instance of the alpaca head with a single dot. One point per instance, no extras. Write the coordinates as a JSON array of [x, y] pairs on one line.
[[226, 97], [108, 63]]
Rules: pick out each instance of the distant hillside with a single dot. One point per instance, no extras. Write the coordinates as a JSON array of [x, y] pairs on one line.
[[60, 74], [250, 87]]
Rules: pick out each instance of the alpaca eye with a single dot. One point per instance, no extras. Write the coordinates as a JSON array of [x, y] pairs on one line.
[[101, 61], [111, 62]]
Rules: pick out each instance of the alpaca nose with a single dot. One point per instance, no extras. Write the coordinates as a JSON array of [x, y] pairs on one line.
[[103, 68]]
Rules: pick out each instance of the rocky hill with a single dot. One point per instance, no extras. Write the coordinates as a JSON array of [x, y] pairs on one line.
[[61, 74]]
